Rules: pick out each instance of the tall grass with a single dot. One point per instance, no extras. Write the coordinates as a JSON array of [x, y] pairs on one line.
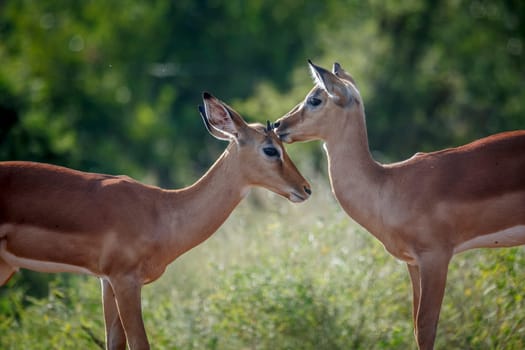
[[284, 276]]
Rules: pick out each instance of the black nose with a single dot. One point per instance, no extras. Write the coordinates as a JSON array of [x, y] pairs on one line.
[[307, 190], [276, 125]]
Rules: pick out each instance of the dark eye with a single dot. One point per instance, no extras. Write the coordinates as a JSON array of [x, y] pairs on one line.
[[314, 101], [271, 151]]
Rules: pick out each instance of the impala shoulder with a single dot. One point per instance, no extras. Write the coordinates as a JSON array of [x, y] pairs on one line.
[[122, 184], [419, 162], [112, 180]]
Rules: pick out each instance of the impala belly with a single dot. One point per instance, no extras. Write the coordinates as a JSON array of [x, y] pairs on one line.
[[509, 237], [37, 265], [43, 250]]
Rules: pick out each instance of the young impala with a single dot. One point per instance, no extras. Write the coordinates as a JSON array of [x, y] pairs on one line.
[[424, 209], [54, 219]]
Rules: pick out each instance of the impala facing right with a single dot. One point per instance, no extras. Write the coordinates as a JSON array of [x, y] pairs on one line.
[[424, 209]]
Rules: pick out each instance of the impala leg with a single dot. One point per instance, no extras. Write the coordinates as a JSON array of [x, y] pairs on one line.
[[433, 278], [127, 295], [115, 336], [413, 271], [6, 272]]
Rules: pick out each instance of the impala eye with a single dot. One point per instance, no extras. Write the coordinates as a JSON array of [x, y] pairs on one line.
[[314, 101], [271, 151]]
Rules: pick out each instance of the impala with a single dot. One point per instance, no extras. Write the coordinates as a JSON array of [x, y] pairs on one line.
[[54, 219], [424, 209]]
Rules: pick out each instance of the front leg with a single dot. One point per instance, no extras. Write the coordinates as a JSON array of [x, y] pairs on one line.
[[433, 268], [127, 295], [115, 336]]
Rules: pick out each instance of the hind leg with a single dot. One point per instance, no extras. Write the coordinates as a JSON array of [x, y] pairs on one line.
[[6, 271]]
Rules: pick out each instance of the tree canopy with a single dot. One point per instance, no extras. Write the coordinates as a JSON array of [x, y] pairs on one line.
[[113, 86]]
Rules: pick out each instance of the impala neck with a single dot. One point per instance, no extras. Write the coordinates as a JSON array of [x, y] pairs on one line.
[[197, 211], [357, 180]]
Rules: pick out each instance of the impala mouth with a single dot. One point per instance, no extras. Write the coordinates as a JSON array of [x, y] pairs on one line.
[[285, 136], [296, 198]]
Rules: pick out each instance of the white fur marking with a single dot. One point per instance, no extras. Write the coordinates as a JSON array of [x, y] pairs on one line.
[[317, 79], [509, 237], [245, 191]]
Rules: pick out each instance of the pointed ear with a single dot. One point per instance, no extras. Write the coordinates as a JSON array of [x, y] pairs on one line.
[[341, 73], [222, 122], [212, 130], [330, 83]]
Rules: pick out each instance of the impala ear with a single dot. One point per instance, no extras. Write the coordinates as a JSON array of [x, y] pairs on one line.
[[341, 73], [329, 82], [212, 130], [220, 120], [269, 126]]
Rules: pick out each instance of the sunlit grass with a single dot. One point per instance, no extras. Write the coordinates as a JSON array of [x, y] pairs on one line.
[[285, 276]]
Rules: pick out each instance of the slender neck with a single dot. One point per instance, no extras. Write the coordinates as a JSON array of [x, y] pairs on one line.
[[196, 212], [357, 180]]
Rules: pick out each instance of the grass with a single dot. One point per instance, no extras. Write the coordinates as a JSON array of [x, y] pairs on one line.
[[284, 276]]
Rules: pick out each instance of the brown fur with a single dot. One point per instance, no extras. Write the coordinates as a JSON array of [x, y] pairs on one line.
[[54, 219], [425, 209]]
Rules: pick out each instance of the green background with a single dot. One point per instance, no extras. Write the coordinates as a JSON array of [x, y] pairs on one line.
[[113, 87]]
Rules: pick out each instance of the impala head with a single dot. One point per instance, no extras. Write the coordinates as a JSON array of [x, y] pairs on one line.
[[334, 97], [262, 158]]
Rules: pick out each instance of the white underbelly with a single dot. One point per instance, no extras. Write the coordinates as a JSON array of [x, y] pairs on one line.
[[37, 265], [509, 237]]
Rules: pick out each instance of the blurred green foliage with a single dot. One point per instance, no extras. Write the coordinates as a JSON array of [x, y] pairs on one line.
[[112, 87]]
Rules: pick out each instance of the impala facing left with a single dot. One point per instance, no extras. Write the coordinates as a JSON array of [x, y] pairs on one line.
[[424, 209]]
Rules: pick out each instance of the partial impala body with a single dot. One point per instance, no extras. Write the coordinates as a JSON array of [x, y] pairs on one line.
[[54, 219], [425, 209]]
